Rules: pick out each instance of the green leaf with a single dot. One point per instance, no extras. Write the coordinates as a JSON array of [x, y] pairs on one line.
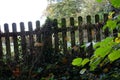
[[102, 51], [94, 63], [104, 27], [95, 60], [49, 66], [112, 24], [82, 71], [96, 45], [106, 42], [114, 55], [77, 62], [118, 17], [118, 34], [115, 3], [39, 70], [92, 68], [85, 61], [99, 0]]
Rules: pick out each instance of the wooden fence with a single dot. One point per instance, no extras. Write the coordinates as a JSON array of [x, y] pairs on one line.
[[52, 36]]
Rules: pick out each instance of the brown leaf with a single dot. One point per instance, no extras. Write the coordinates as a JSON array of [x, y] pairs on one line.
[[64, 60], [66, 38], [16, 72], [38, 44], [75, 48]]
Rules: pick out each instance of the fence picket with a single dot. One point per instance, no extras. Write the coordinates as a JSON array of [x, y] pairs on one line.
[[115, 31], [31, 40], [23, 40], [39, 35], [97, 28], [1, 49], [38, 32], [15, 42], [89, 35], [7, 42], [106, 32], [81, 38], [64, 35], [56, 39], [44, 37], [72, 32], [89, 28]]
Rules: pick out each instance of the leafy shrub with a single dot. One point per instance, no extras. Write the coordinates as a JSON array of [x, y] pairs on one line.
[[106, 53]]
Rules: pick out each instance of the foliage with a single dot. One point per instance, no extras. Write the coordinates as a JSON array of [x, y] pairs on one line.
[[107, 51], [80, 61], [112, 23], [103, 64], [115, 3], [70, 8]]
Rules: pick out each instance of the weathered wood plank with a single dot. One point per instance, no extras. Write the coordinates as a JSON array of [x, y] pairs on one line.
[[64, 36], [72, 32], [38, 32], [7, 42], [56, 39], [81, 38], [44, 35], [97, 28], [1, 49], [23, 41], [31, 40], [89, 35], [106, 31], [15, 42]]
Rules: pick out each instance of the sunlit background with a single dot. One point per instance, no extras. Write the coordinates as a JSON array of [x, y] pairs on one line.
[[21, 11]]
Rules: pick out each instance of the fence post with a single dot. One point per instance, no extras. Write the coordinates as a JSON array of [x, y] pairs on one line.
[[7, 42], [15, 41]]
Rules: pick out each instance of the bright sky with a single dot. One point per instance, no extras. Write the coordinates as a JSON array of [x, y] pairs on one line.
[[21, 11]]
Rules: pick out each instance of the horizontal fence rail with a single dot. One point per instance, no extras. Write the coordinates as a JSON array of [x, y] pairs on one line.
[[62, 39]]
